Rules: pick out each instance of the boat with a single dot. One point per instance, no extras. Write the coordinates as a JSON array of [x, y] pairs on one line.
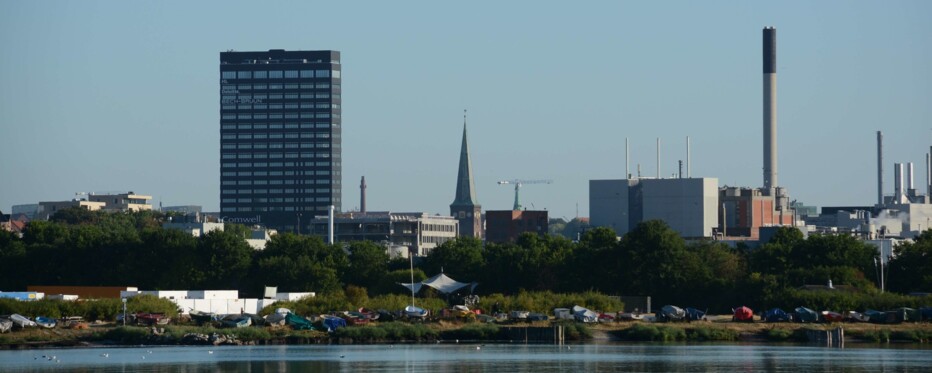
[[534, 316], [630, 316], [583, 314], [606, 317], [854, 316], [518, 315], [332, 323], [562, 314], [463, 312], [831, 316], [5, 325], [670, 313], [201, 318], [21, 321], [145, 318], [236, 321], [300, 323], [903, 314], [385, 315], [776, 315], [46, 322], [876, 317], [743, 314], [694, 314], [354, 318], [74, 322], [413, 311], [804, 314]]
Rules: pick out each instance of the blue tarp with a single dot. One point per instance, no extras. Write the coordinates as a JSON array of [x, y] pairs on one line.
[[333, 322], [776, 315]]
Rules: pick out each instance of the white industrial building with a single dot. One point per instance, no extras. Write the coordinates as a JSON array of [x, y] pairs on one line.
[[688, 205], [216, 301]]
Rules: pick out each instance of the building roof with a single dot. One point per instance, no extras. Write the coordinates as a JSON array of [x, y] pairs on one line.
[[465, 186]]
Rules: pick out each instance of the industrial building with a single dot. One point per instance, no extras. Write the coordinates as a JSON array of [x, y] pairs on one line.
[[419, 232], [744, 211], [507, 225], [123, 201], [688, 205], [280, 137]]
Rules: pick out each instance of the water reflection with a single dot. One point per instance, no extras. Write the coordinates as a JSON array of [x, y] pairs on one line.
[[469, 358]]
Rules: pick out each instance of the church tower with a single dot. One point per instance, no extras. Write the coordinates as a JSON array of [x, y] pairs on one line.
[[465, 208]]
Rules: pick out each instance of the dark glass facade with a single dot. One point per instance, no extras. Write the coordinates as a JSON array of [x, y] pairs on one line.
[[280, 137]]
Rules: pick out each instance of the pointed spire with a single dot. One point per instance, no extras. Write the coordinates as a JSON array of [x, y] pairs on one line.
[[465, 186]]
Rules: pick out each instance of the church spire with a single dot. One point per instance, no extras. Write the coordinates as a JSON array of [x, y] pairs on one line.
[[465, 186]]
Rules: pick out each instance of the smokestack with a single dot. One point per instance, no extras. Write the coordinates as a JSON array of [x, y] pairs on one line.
[[658, 157], [898, 183], [362, 195], [879, 168], [330, 225], [689, 172], [929, 173], [680, 175], [770, 108], [908, 185]]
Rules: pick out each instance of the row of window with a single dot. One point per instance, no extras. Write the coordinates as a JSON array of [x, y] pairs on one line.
[[239, 105], [277, 135], [273, 173], [318, 208], [438, 227], [278, 96], [229, 183], [235, 88], [274, 200], [280, 74], [275, 191], [302, 115], [277, 126]]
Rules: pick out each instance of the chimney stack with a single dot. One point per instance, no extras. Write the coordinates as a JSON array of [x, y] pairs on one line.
[[898, 183], [879, 168], [770, 108], [362, 195]]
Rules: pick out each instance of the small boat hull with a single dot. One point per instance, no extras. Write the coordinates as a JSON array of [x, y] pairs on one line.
[[46, 322]]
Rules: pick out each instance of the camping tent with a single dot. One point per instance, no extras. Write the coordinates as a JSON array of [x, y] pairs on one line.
[[442, 283]]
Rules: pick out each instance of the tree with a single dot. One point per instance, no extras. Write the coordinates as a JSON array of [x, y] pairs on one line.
[[461, 259], [226, 259], [911, 268], [368, 264]]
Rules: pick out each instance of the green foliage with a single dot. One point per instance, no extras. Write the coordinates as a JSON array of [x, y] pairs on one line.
[[652, 333], [151, 304], [545, 301], [368, 264], [841, 301], [460, 259], [575, 331], [911, 268], [779, 335], [879, 335], [704, 334], [473, 332], [126, 335], [391, 331], [90, 310]]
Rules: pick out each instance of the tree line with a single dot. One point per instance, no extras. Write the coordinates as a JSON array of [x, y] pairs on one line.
[[78, 247]]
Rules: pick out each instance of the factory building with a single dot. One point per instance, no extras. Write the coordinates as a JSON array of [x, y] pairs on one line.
[[688, 205], [507, 225], [419, 232], [744, 211]]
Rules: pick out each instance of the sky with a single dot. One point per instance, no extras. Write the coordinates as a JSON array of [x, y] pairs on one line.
[[105, 96]]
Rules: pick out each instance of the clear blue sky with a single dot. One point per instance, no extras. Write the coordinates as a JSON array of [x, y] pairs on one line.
[[114, 95]]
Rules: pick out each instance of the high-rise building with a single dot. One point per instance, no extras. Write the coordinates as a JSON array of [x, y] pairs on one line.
[[465, 207], [280, 126]]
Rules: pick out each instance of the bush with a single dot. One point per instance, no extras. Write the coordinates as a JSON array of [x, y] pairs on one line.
[[653, 333], [392, 331], [126, 335], [779, 335], [711, 334], [476, 332], [846, 301], [90, 310], [545, 301]]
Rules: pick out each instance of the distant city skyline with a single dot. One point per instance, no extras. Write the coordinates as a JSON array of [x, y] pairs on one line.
[[110, 96]]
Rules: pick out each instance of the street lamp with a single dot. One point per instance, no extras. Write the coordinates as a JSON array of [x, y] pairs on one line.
[[124, 310]]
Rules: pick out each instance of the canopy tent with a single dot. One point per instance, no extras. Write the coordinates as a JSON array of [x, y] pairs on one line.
[[442, 283]]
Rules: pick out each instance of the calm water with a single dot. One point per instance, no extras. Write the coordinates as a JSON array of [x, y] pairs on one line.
[[467, 358]]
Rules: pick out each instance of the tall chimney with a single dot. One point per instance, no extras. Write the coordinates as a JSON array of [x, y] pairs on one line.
[[879, 168], [898, 183], [627, 170], [362, 195], [770, 108], [908, 185]]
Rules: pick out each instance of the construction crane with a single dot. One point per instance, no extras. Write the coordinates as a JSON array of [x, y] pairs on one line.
[[518, 183]]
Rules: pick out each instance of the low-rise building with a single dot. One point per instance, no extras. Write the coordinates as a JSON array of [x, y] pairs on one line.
[[47, 209], [506, 225], [419, 232], [123, 201], [687, 205]]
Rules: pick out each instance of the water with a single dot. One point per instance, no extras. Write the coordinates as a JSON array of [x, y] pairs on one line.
[[467, 358]]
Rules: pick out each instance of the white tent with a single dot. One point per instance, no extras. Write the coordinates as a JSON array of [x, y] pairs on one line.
[[442, 283]]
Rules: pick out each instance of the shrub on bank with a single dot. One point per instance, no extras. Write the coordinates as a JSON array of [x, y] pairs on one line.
[[652, 333], [545, 301], [390, 331], [89, 309], [475, 332], [847, 301]]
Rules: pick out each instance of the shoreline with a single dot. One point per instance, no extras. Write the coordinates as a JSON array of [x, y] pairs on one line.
[[702, 332]]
